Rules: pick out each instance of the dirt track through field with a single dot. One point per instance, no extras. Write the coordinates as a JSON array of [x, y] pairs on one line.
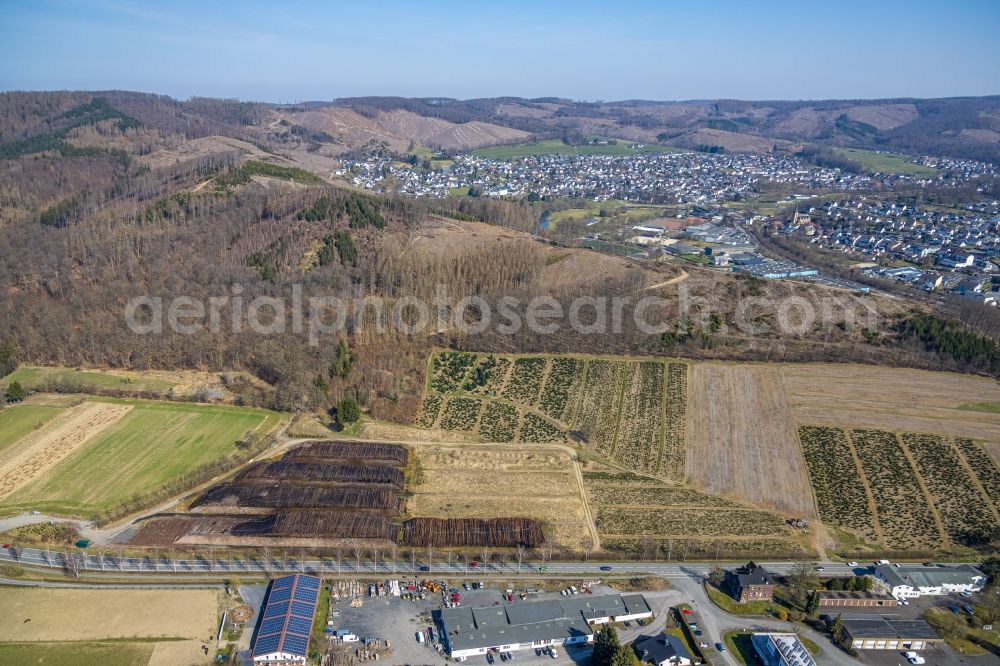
[[38, 452]]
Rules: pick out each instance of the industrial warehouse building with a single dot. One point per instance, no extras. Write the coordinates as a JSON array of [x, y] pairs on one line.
[[286, 616], [781, 650], [888, 632], [913, 580], [475, 631]]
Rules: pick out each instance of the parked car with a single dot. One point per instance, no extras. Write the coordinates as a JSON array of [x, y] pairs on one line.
[[687, 611], [604, 567], [503, 656], [466, 586], [720, 647], [703, 644], [914, 658], [489, 657], [554, 653], [697, 632], [961, 594]]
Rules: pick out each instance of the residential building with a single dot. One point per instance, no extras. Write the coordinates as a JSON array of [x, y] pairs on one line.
[[474, 631], [663, 650], [750, 582]]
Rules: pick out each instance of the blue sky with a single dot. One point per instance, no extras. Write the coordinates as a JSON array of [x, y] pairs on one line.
[[294, 51]]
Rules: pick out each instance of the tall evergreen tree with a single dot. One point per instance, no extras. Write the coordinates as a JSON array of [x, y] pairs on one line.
[[16, 392], [606, 644], [623, 656]]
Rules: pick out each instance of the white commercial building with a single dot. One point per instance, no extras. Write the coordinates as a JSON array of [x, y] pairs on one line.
[[909, 581]]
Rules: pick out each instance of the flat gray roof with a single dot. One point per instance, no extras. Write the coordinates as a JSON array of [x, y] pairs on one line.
[[921, 576], [489, 626], [888, 627]]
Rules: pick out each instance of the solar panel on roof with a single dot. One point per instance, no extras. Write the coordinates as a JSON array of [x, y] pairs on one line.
[[274, 610], [305, 610], [280, 583], [272, 626], [266, 644], [309, 582], [299, 625], [306, 595], [283, 594], [295, 644]]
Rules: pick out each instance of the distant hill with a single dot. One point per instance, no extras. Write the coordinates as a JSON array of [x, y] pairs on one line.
[[959, 127]]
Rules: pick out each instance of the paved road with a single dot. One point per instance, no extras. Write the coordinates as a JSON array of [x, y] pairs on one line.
[[110, 563], [685, 580]]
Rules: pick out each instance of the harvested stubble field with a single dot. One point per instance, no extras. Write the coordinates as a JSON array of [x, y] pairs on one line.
[[501, 481], [69, 615], [894, 399], [32, 456], [19, 420], [742, 439], [134, 447]]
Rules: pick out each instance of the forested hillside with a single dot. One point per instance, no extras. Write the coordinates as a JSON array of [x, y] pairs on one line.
[[107, 197]]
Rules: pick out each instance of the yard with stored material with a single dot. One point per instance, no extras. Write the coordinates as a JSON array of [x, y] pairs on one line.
[[103, 452], [62, 626]]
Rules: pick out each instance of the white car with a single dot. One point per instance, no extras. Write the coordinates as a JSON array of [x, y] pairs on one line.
[[914, 658], [852, 564], [965, 594], [554, 653]]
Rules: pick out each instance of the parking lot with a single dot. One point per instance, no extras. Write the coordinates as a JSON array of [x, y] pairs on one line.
[[398, 620]]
